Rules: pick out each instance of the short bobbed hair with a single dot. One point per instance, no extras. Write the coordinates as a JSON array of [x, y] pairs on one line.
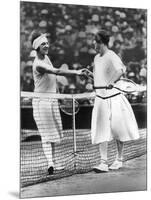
[[102, 36]]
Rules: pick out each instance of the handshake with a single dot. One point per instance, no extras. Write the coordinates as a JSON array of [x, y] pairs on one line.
[[85, 72], [88, 74]]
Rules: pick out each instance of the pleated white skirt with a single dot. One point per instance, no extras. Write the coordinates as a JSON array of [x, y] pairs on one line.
[[48, 120]]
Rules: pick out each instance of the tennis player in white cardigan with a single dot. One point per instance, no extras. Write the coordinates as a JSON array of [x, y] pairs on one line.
[[112, 115], [46, 112]]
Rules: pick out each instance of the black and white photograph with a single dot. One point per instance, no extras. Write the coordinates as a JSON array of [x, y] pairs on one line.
[[83, 99]]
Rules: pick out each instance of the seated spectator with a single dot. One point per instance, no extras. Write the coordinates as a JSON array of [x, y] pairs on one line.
[[32, 55], [143, 84], [131, 75], [143, 76], [89, 85], [72, 89], [27, 83]]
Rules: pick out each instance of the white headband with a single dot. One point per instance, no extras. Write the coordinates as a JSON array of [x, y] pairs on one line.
[[38, 41]]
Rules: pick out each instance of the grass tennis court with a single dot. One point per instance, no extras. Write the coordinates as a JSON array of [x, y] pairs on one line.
[[34, 165], [75, 153], [132, 177]]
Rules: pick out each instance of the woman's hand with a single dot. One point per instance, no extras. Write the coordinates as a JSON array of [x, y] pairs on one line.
[[81, 72], [110, 86]]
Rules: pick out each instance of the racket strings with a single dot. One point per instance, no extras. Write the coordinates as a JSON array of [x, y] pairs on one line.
[[123, 84], [126, 85]]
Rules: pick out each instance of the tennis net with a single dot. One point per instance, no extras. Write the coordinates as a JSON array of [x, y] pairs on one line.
[[74, 153]]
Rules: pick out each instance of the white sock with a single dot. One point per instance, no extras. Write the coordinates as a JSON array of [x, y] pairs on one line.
[[103, 150], [47, 148]]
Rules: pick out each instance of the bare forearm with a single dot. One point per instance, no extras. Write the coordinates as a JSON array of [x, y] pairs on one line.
[[61, 72], [116, 76], [44, 69]]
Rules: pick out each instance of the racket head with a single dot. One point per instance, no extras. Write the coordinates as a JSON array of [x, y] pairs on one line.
[[126, 85], [69, 107]]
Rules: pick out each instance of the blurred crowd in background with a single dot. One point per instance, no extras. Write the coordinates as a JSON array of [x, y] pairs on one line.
[[71, 29]]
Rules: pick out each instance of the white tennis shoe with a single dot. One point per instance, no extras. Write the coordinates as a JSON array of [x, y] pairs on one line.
[[117, 164], [59, 167], [101, 168]]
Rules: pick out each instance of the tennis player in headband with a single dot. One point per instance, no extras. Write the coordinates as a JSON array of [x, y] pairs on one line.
[[112, 115], [46, 112]]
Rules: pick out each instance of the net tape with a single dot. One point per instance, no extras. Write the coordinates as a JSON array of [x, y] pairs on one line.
[[57, 95]]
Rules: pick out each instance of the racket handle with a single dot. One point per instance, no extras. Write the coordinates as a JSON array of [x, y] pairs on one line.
[[110, 86], [100, 87]]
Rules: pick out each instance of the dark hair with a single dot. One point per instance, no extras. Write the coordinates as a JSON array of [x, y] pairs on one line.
[[34, 35], [102, 37]]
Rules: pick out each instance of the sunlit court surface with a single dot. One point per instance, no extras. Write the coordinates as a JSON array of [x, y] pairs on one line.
[[58, 95]]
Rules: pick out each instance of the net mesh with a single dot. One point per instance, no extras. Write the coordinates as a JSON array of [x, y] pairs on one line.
[[43, 123]]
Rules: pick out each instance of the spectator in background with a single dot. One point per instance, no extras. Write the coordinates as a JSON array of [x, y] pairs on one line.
[[27, 83], [22, 66], [73, 34], [138, 75], [143, 85], [133, 71], [117, 47], [62, 81], [89, 85], [139, 53], [143, 76], [32, 55], [72, 89], [131, 75]]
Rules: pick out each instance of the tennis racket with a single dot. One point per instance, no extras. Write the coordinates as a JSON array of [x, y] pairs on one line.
[[124, 85], [69, 106]]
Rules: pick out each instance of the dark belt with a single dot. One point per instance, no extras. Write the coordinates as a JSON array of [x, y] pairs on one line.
[[100, 87], [109, 96]]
